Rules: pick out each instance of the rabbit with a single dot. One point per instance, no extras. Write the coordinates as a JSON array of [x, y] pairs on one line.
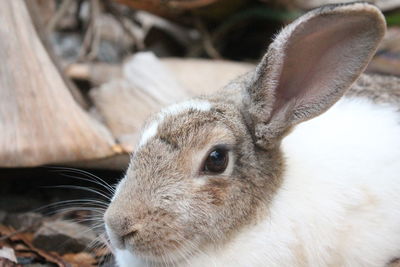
[[285, 166]]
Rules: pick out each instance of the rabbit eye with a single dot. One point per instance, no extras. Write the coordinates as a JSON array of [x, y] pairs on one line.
[[216, 161]]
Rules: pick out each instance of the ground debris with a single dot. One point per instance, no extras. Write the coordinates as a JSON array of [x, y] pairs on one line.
[[56, 243]]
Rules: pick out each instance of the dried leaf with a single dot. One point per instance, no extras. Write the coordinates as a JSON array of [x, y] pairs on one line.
[[101, 252], [26, 238], [6, 231], [82, 259], [8, 253]]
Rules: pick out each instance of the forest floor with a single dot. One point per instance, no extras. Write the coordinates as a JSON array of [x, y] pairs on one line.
[[52, 217]]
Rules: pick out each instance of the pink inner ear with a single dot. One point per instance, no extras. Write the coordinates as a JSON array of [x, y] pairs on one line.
[[324, 54]]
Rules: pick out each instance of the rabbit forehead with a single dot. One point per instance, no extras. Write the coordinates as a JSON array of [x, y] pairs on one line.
[[174, 157], [151, 130], [180, 142], [194, 132], [187, 122]]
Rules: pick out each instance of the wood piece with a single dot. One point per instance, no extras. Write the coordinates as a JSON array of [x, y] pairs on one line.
[[40, 122], [96, 73], [202, 76], [209, 76], [166, 8], [46, 8], [118, 162], [35, 9]]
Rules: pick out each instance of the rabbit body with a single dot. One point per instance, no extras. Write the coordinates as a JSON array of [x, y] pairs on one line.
[[281, 168], [339, 204]]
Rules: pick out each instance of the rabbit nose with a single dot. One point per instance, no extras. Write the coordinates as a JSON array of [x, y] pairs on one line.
[[119, 226]]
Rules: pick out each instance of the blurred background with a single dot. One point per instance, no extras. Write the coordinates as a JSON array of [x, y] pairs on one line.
[[78, 78]]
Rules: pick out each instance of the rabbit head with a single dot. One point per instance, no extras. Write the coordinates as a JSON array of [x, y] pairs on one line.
[[207, 168]]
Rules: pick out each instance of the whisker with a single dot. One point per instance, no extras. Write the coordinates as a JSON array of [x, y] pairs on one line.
[[88, 189], [95, 203], [109, 188], [86, 174]]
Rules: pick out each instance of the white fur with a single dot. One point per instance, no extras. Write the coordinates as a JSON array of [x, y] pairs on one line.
[[151, 130], [117, 189], [339, 204]]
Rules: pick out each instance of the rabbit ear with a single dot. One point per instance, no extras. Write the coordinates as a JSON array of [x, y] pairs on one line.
[[309, 66]]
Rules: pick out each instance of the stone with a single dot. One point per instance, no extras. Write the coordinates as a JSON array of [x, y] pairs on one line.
[[26, 220], [63, 237]]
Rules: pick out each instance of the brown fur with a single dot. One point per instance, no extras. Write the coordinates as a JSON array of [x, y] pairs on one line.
[[165, 203], [379, 88]]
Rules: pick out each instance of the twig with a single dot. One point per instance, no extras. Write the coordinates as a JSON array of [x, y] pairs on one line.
[[87, 40], [181, 34], [91, 39], [191, 4], [58, 15], [138, 33], [206, 40], [96, 36], [127, 25]]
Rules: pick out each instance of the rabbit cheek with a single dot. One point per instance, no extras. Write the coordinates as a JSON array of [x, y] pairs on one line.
[[215, 191]]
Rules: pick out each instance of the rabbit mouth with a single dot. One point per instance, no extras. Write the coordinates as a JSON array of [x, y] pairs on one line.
[[160, 251]]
